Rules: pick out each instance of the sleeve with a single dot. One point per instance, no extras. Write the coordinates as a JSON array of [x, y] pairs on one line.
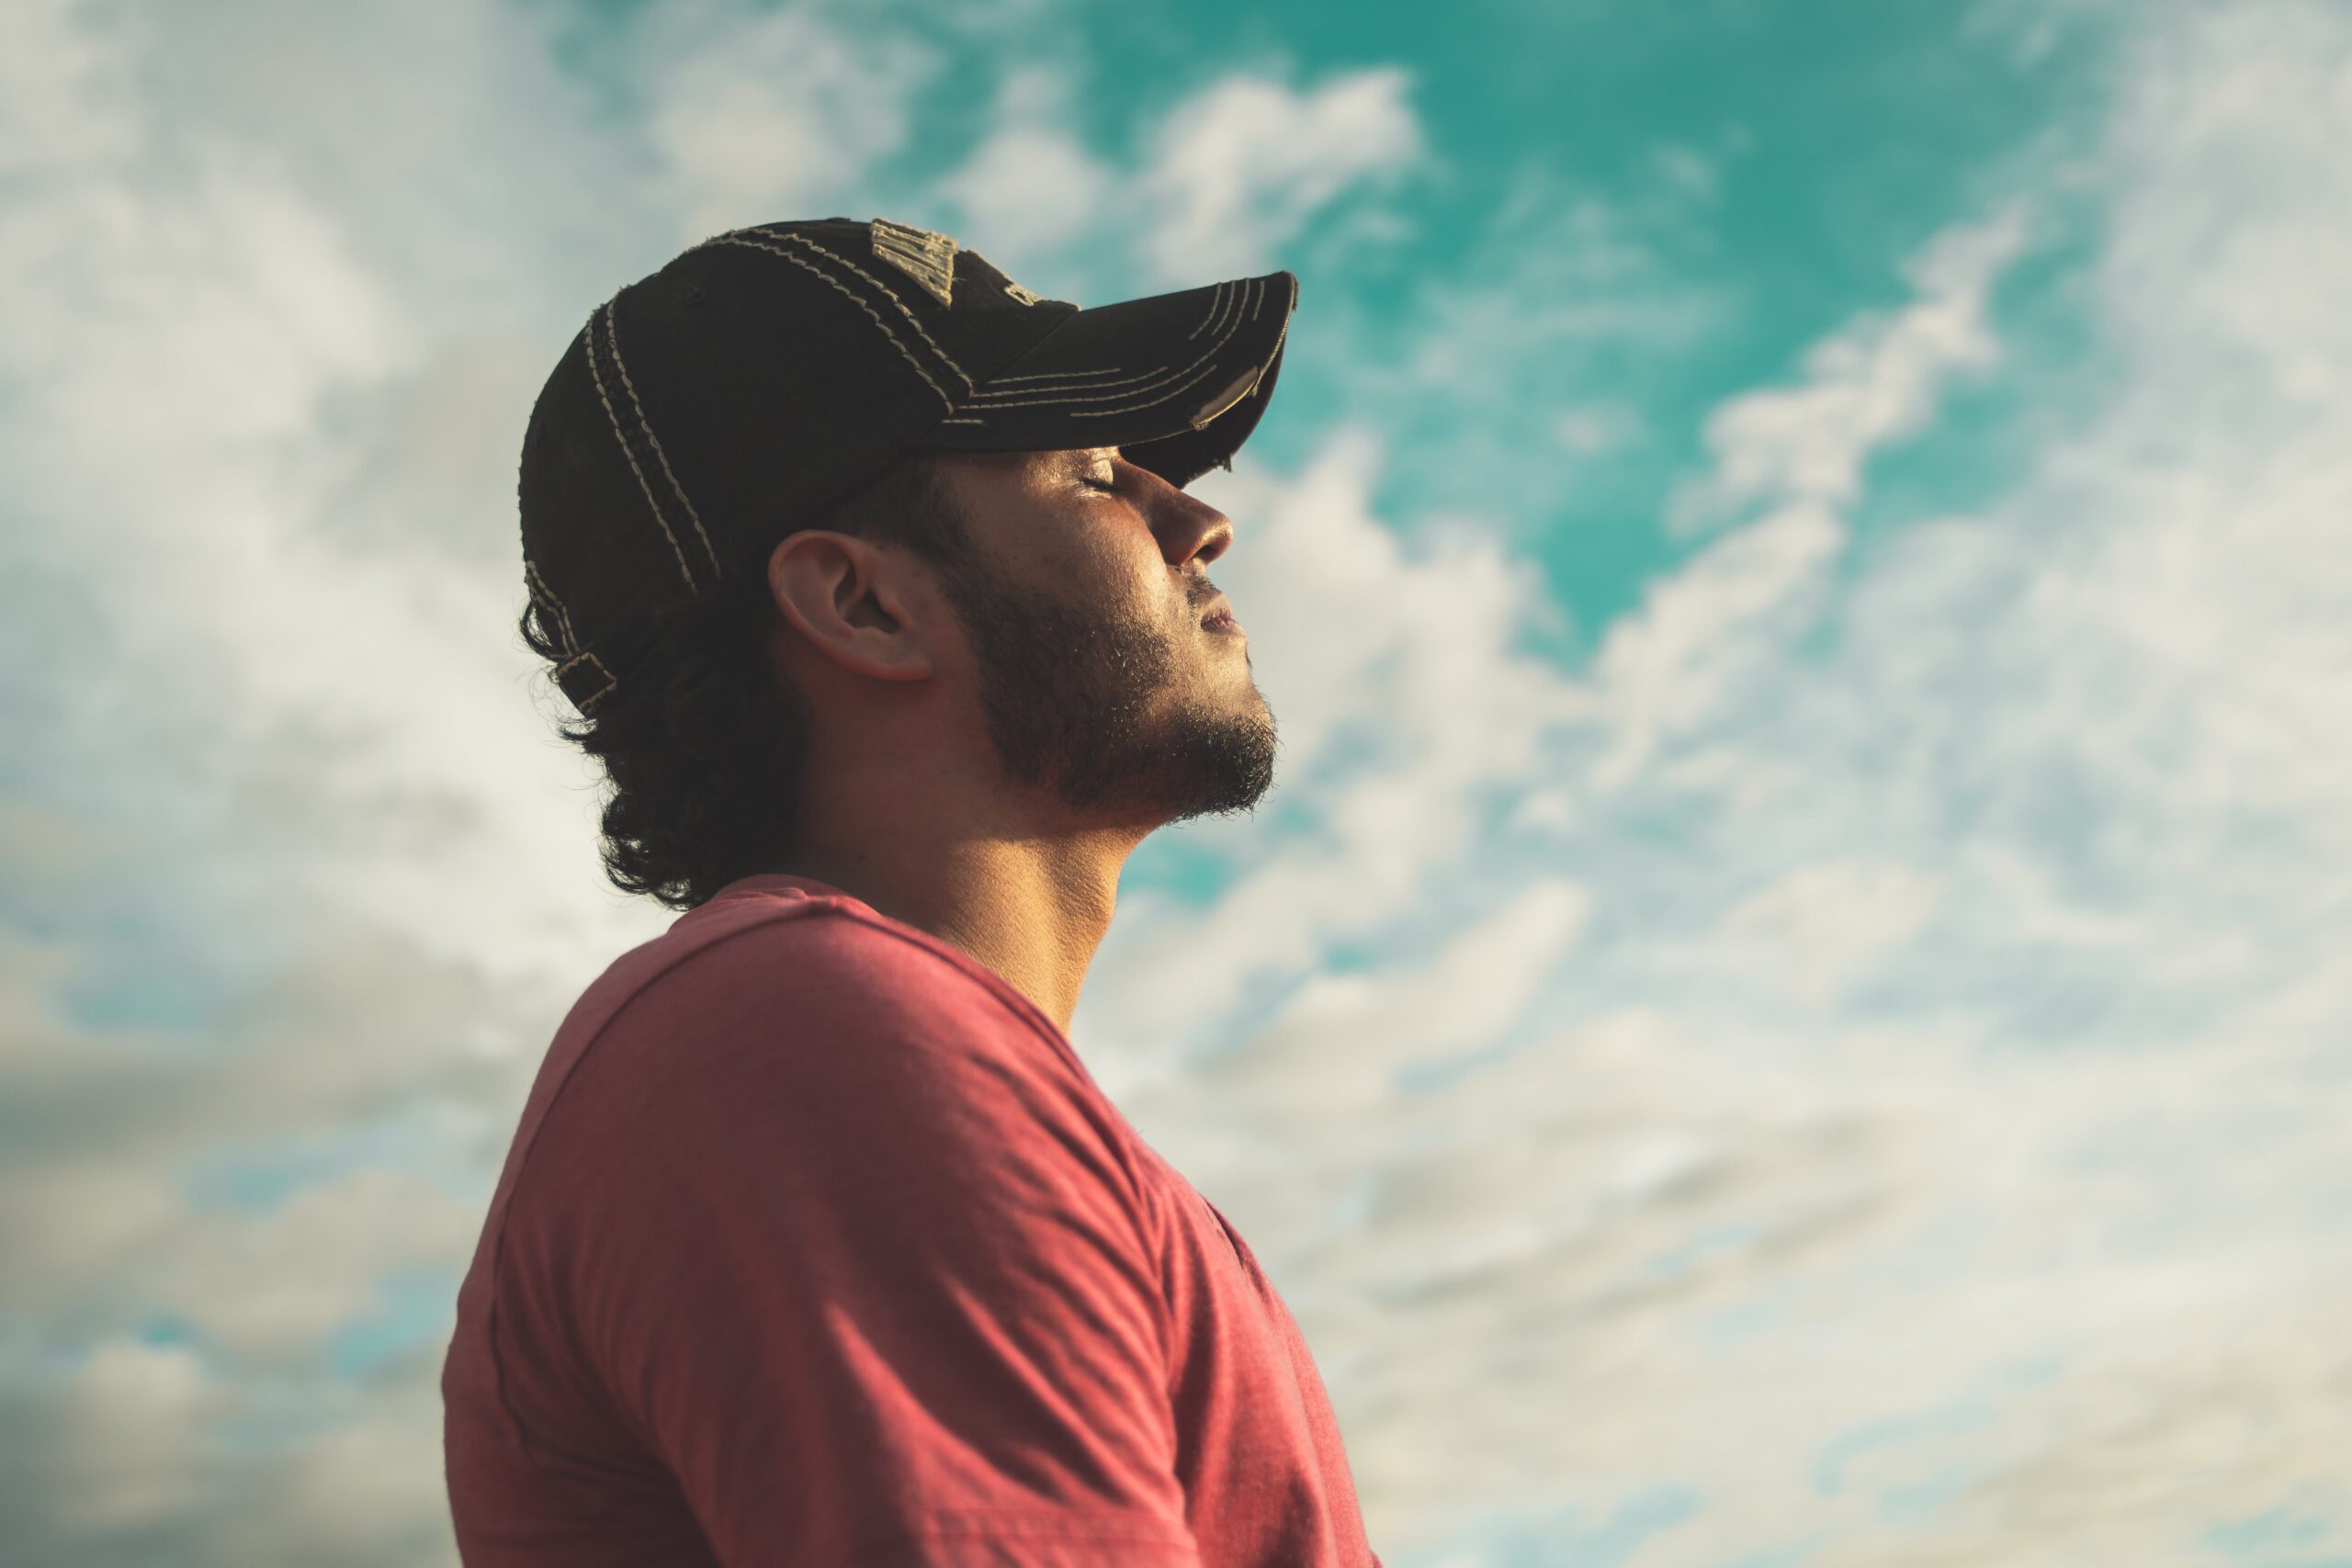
[[869, 1274]]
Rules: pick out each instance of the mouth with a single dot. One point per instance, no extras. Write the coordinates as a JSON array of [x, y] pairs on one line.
[[1221, 619]]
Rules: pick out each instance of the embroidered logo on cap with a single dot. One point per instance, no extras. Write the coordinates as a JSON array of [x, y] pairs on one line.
[[929, 257], [922, 254]]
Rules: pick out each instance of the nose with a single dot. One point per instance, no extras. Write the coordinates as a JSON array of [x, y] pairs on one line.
[[1188, 528]]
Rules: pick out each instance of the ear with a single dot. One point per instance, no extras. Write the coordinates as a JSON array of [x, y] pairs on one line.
[[865, 606]]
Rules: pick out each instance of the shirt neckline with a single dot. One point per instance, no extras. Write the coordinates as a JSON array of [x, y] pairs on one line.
[[773, 882]]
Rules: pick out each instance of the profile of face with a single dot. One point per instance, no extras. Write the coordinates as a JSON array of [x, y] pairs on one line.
[[1075, 650], [1110, 673]]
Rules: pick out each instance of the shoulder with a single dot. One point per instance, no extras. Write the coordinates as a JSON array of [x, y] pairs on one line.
[[803, 1042], [834, 966], [780, 1006]]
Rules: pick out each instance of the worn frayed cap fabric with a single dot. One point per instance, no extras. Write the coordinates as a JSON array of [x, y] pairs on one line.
[[707, 411]]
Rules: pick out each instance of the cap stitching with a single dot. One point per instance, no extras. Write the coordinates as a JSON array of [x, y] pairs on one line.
[[1233, 302], [1202, 373], [538, 587], [1215, 310], [1208, 355], [613, 337], [605, 398], [1206, 371], [844, 289], [587, 705], [983, 395], [913, 319], [1055, 376]]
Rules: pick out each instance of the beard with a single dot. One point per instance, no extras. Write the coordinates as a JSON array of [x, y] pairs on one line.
[[1109, 713]]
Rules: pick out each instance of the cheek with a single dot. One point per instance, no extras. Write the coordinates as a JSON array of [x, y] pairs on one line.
[[1120, 574]]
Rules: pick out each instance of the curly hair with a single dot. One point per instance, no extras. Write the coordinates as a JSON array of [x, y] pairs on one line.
[[704, 748]]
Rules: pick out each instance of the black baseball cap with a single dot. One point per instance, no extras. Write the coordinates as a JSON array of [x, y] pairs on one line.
[[707, 411]]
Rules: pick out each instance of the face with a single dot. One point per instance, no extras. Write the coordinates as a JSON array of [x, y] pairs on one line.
[[1085, 605]]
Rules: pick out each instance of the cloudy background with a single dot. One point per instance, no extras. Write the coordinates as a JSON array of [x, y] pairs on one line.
[[1793, 1003]]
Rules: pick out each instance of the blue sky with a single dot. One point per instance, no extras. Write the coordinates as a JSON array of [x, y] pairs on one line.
[[1789, 1004]]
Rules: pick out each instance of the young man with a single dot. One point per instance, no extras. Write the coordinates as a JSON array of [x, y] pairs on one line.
[[873, 579]]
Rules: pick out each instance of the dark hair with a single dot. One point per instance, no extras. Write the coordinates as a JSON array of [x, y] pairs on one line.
[[703, 747]]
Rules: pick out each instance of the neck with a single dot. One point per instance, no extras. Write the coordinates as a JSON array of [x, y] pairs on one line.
[[1032, 908]]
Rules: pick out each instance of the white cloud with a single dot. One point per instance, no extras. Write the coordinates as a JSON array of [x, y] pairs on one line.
[[778, 114], [1587, 430], [1816, 927], [1356, 645], [1694, 647], [1239, 167], [1871, 383], [371, 1488], [276, 1286], [1030, 186], [1027, 188], [132, 1444], [1464, 994], [62, 96], [1513, 377], [1876, 1026], [1936, 1155], [295, 752]]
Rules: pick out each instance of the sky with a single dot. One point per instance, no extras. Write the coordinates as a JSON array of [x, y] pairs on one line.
[[1791, 1002]]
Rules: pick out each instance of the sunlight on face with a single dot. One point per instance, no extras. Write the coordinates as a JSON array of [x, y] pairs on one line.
[[1084, 608]]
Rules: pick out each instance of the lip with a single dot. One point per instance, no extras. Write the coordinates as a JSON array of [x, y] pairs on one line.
[[1219, 618]]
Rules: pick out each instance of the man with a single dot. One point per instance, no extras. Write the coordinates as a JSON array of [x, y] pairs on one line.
[[873, 579]]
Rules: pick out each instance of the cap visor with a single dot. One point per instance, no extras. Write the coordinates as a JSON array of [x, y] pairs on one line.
[[1177, 381]]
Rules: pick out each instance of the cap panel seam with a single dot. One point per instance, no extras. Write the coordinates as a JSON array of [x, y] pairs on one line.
[[913, 319], [613, 337], [846, 293], [605, 398]]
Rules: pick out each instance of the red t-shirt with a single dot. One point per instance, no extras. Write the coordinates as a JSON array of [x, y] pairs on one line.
[[817, 1244]]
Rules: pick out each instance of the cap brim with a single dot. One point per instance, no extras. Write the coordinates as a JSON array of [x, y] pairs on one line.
[[1176, 382]]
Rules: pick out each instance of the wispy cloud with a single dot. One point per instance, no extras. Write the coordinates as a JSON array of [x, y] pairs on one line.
[[1030, 186], [1236, 169], [1868, 386], [1226, 180], [776, 112], [1949, 1060]]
